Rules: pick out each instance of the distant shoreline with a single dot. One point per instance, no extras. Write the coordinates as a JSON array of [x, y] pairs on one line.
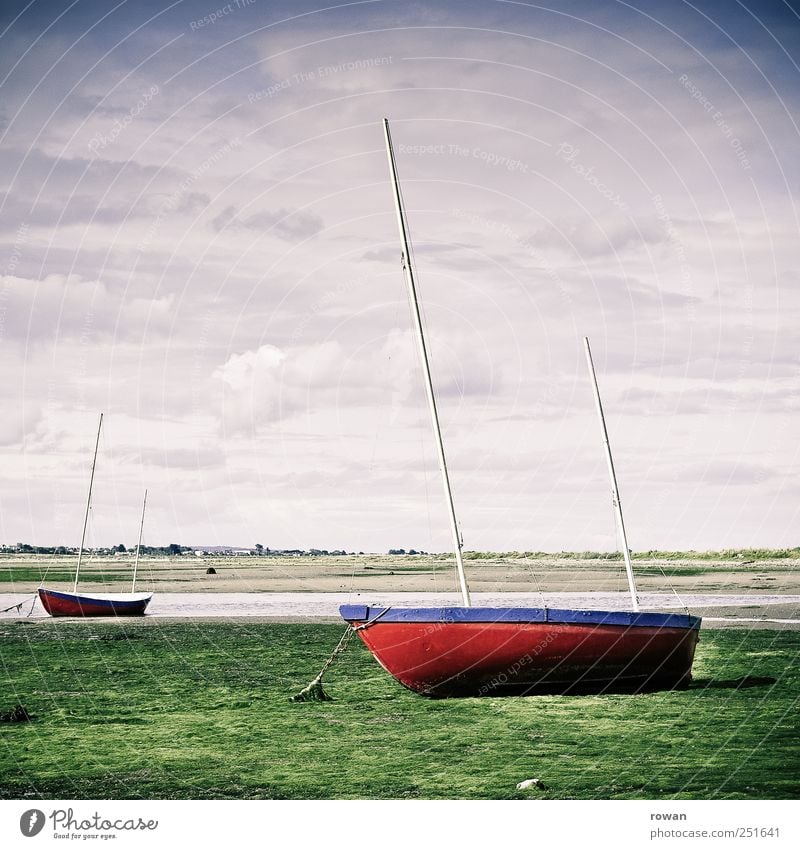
[[161, 552]]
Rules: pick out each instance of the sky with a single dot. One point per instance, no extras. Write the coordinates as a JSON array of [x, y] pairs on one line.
[[198, 239]]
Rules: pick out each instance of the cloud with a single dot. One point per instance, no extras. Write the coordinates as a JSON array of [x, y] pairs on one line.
[[201, 456], [45, 191], [241, 371], [18, 422], [269, 384], [227, 261], [293, 226], [63, 307], [258, 388]]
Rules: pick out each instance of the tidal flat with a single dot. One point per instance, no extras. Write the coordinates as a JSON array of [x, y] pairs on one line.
[[745, 571], [144, 709]]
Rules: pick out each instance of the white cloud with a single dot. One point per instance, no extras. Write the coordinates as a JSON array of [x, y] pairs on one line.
[[243, 371]]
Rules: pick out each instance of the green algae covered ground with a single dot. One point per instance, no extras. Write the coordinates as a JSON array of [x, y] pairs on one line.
[[148, 709]]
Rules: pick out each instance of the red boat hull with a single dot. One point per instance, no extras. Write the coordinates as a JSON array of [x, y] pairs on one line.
[[82, 604], [491, 658]]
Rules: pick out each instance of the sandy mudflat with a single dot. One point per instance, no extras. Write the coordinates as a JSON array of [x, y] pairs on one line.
[[761, 593], [386, 573]]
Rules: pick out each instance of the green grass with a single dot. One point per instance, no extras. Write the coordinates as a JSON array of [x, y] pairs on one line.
[[144, 709], [20, 574]]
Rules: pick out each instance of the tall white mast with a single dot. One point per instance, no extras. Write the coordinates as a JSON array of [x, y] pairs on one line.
[[412, 293], [139, 543], [88, 504], [614, 488]]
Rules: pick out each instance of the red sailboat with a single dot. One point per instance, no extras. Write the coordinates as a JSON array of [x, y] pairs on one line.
[[62, 603], [477, 651]]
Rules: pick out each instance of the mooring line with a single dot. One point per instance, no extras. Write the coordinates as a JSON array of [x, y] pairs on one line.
[[19, 606]]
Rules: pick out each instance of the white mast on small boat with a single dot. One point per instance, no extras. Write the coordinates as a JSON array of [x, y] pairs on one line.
[[412, 293], [88, 504], [139, 543], [614, 488]]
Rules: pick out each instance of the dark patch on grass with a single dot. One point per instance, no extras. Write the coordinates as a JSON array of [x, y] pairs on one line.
[[743, 683], [112, 637], [17, 714]]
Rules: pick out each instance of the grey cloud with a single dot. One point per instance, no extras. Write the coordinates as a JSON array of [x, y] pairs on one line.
[[61, 308], [593, 237], [202, 456], [708, 398], [731, 473], [286, 223], [65, 191], [386, 254], [29, 170], [78, 208], [18, 422]]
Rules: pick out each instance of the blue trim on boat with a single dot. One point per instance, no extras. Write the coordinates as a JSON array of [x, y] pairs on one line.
[[363, 613]]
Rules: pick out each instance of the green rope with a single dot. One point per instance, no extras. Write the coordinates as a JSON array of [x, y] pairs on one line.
[[314, 692]]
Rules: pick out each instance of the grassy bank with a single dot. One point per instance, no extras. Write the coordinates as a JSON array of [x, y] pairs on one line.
[[150, 710]]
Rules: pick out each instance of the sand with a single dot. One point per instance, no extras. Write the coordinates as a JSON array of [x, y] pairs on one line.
[[416, 573], [373, 575]]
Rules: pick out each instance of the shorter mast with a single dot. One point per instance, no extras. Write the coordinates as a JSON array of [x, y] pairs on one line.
[[412, 293], [139, 543], [614, 488], [88, 504]]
